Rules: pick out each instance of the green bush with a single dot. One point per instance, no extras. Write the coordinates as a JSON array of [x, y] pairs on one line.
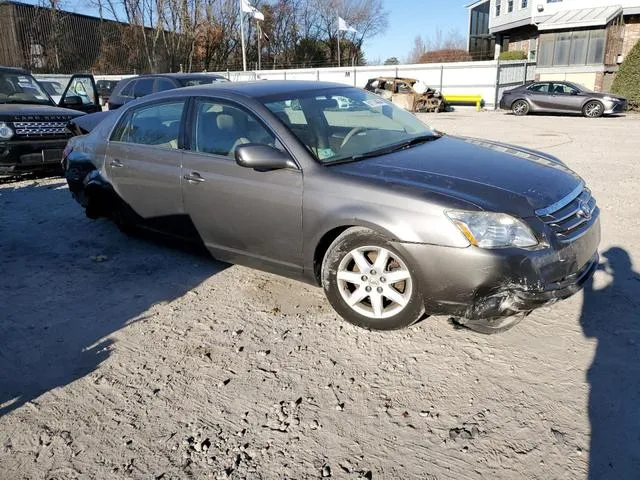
[[513, 55], [627, 81]]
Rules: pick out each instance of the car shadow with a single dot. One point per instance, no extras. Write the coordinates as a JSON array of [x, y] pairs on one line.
[[68, 283], [612, 316]]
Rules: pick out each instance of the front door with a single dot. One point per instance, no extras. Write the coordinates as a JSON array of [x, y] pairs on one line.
[[567, 98], [81, 94], [242, 215], [144, 157]]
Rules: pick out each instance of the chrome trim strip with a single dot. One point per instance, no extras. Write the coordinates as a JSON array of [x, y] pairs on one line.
[[561, 203]]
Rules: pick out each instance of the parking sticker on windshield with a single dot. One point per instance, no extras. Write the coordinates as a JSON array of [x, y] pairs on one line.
[[375, 102]]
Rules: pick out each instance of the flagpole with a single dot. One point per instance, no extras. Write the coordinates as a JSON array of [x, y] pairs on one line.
[[244, 53], [259, 49], [338, 41]]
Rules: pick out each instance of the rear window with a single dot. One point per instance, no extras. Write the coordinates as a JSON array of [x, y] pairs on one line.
[[143, 87], [190, 82], [127, 90]]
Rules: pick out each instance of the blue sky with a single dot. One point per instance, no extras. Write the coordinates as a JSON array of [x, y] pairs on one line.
[[409, 18]]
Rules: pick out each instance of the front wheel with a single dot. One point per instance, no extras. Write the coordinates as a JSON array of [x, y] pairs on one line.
[[520, 108], [593, 109], [369, 283]]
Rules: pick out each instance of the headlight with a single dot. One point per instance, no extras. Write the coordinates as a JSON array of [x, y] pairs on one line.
[[611, 99], [5, 131], [493, 230]]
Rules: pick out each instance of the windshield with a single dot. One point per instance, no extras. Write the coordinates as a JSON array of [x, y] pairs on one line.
[[19, 88], [342, 124], [582, 88], [52, 88], [191, 82]]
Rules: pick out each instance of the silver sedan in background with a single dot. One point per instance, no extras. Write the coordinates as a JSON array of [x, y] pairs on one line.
[[561, 97]]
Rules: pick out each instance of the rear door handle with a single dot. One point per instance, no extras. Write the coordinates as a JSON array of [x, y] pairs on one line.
[[116, 163], [194, 177]]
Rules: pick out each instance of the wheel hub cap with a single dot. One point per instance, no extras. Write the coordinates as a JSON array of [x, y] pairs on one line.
[[374, 282]]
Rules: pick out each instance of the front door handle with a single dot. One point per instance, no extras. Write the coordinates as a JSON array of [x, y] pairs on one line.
[[194, 177], [116, 163]]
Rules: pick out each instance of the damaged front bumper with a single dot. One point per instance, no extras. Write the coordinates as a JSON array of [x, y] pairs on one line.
[[476, 284]]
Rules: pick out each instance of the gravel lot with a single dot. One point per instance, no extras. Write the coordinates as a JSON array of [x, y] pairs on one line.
[[130, 358]]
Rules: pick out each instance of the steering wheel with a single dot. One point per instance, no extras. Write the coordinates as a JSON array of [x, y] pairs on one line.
[[354, 131]]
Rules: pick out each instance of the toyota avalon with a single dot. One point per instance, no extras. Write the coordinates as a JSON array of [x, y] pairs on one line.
[[393, 219]]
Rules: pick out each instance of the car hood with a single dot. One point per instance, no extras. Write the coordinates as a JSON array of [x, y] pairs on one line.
[[15, 112], [489, 175], [602, 95]]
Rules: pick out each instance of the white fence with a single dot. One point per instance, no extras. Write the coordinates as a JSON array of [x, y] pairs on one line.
[[488, 79]]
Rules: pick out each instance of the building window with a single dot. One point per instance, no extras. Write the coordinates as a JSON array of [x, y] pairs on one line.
[[509, 6], [554, 1], [481, 42], [498, 8], [525, 4], [582, 47]]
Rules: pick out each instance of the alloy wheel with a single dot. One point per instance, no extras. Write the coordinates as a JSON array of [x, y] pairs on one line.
[[593, 109], [520, 108], [374, 282]]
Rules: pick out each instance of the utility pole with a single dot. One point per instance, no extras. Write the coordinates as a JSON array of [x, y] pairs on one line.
[[259, 49]]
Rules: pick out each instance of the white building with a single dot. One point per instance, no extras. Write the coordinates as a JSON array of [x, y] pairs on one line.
[[579, 40]]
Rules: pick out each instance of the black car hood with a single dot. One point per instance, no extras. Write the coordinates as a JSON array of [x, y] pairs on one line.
[[489, 175], [17, 112]]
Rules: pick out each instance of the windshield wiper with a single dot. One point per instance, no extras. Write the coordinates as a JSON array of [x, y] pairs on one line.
[[386, 150]]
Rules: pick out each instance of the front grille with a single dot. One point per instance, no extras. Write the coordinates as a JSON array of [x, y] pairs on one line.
[[40, 129], [573, 216]]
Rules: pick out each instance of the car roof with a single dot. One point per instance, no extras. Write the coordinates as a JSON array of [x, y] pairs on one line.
[[20, 71], [179, 76], [256, 88]]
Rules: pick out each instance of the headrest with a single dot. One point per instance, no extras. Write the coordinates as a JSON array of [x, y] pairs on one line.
[[225, 122]]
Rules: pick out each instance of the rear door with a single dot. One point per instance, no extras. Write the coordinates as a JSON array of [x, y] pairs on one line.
[[144, 158], [538, 95], [242, 215], [81, 94]]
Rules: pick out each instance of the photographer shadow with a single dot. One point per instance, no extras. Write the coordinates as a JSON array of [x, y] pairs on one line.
[[612, 316]]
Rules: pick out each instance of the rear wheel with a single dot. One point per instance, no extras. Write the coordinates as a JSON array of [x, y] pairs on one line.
[[593, 109], [520, 108], [369, 283]]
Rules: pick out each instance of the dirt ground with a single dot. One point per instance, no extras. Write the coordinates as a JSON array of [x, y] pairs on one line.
[[129, 358]]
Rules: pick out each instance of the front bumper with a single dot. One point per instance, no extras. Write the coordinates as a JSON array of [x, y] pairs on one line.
[[615, 107], [17, 156], [474, 283]]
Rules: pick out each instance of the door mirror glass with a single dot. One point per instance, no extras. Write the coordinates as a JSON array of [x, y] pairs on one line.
[[262, 157]]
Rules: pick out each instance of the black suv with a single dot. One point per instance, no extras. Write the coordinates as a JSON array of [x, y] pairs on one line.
[[129, 89], [33, 126]]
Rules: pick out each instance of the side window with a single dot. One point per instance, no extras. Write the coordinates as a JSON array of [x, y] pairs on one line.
[[561, 88], [157, 125], [127, 91], [143, 87], [540, 87], [163, 84], [221, 128]]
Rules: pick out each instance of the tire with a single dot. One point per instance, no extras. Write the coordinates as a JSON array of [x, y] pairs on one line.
[[124, 217], [593, 109], [520, 108], [491, 326], [372, 309]]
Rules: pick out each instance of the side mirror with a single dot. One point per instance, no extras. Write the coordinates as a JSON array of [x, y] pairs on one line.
[[574, 92], [262, 157], [71, 101]]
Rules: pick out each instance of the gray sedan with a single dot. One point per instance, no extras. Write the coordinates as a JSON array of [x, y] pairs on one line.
[[561, 97], [393, 219]]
